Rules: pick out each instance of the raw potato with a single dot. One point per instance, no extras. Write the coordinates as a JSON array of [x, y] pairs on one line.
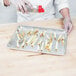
[[33, 37], [56, 48], [42, 46], [20, 36], [42, 39], [62, 41], [34, 42], [49, 44], [54, 36], [59, 38], [57, 41], [24, 43]]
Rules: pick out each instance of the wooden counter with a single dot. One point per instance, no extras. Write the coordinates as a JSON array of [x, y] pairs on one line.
[[20, 63]]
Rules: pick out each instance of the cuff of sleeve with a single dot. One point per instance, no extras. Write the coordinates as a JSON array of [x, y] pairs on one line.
[[61, 6]]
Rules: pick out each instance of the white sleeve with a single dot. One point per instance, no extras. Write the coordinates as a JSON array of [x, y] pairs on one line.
[[1, 2], [60, 4]]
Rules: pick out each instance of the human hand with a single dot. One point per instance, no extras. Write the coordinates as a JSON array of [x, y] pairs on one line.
[[68, 26], [6, 2], [21, 5]]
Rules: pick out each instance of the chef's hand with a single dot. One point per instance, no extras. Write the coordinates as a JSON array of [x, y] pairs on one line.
[[68, 26], [6, 2], [21, 5]]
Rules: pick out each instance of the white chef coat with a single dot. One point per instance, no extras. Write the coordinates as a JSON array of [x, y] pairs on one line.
[[48, 6]]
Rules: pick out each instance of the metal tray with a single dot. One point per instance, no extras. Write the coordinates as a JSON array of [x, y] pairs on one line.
[[39, 39]]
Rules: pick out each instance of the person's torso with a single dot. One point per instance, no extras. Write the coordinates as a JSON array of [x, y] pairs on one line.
[[44, 3], [48, 6]]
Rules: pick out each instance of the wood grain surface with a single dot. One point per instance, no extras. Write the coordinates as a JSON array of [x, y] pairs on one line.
[[20, 63]]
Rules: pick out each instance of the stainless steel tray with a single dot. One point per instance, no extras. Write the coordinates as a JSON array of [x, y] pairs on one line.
[[39, 39]]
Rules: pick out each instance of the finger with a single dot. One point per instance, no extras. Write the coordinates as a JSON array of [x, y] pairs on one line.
[[28, 3], [18, 9], [66, 28], [6, 3], [21, 8], [70, 28], [24, 7]]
